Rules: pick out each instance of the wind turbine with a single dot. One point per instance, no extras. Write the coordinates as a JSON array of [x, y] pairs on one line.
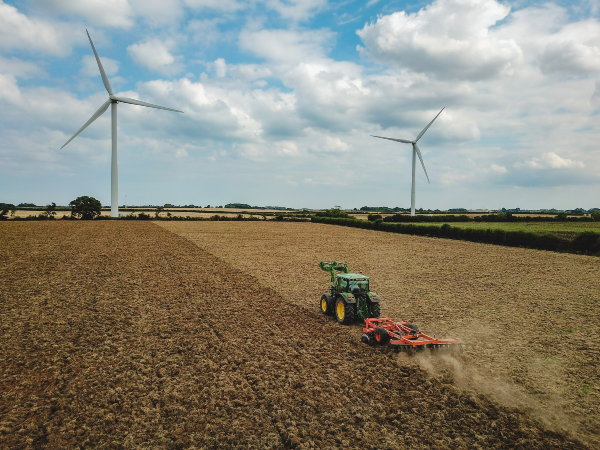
[[416, 151], [112, 101]]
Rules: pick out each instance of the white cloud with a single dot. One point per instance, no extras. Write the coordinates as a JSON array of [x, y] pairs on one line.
[[89, 66], [551, 160], [19, 68], [571, 57], [158, 13], [287, 45], [107, 13], [448, 38], [155, 55], [19, 32], [498, 169], [220, 67], [297, 9], [219, 5]]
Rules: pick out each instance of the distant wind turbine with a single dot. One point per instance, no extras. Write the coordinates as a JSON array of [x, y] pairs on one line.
[[416, 151], [112, 101]]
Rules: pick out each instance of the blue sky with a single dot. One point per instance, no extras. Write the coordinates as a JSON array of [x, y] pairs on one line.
[[280, 99]]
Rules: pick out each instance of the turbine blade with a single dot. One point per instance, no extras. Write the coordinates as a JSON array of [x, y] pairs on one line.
[[97, 114], [137, 102], [421, 158], [102, 73], [404, 141], [428, 125]]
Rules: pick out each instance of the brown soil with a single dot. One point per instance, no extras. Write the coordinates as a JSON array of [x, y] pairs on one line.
[[530, 318], [123, 335]]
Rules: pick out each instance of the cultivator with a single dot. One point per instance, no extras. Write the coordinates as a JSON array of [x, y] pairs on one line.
[[404, 336]]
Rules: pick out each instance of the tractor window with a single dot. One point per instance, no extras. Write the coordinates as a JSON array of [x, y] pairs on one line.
[[343, 284], [359, 286]]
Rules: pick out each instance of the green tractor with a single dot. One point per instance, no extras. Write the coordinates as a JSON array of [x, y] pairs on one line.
[[349, 297]]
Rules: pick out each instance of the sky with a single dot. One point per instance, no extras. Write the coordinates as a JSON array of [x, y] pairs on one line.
[[280, 99]]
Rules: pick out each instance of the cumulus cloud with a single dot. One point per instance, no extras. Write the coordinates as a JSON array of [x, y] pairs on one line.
[[220, 68], [154, 54], [107, 13], [448, 38], [296, 9], [89, 66], [570, 57], [290, 46], [19, 32], [19, 68], [551, 160]]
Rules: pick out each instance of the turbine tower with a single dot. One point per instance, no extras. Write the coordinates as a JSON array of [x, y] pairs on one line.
[[112, 101], [416, 152]]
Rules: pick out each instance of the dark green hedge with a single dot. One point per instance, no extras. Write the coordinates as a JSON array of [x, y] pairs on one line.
[[587, 242]]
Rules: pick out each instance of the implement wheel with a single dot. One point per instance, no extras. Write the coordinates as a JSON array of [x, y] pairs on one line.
[[381, 336], [326, 307], [375, 310], [344, 312]]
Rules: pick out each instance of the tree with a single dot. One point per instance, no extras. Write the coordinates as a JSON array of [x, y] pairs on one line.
[[49, 211], [158, 210], [596, 216], [4, 209], [86, 208]]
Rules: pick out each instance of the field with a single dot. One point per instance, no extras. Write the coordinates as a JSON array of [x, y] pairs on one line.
[[561, 229], [530, 317], [126, 335]]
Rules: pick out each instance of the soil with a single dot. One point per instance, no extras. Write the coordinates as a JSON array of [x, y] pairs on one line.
[[123, 335], [530, 319]]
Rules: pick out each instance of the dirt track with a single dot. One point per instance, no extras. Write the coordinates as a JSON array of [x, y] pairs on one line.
[[123, 335], [531, 318]]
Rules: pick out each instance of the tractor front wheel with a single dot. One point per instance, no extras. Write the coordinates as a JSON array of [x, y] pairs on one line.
[[344, 312], [326, 305]]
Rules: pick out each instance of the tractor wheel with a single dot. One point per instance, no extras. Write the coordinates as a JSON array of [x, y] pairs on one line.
[[375, 310], [326, 305], [414, 328], [381, 336], [344, 312]]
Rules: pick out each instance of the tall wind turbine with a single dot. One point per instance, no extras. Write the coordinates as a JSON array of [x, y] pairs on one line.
[[113, 100], [416, 151]]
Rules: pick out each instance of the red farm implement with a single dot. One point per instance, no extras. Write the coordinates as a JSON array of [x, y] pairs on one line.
[[403, 336]]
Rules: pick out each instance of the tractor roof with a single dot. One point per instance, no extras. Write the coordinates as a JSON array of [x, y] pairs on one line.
[[353, 276]]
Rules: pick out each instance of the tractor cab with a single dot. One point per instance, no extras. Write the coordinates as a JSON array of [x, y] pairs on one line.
[[352, 283]]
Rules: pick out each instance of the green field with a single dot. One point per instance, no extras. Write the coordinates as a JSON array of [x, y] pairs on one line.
[[561, 229]]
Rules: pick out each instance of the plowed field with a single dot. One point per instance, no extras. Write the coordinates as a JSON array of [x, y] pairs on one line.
[[123, 335], [531, 319]]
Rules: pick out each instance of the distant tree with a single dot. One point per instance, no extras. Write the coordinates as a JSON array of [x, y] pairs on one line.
[[596, 216], [4, 209], [561, 216], [49, 211], [13, 210], [374, 217], [333, 212], [168, 215], [86, 208], [158, 210]]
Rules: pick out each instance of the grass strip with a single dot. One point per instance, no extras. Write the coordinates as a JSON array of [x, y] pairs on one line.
[[587, 242]]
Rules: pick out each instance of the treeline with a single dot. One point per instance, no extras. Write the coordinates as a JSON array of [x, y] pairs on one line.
[[587, 242], [501, 217]]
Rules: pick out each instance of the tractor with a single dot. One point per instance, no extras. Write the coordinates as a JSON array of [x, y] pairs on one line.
[[349, 297]]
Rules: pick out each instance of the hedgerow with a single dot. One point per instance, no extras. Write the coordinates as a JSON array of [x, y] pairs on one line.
[[587, 242]]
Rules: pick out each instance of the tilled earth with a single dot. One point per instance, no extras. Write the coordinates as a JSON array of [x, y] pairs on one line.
[[123, 335], [530, 319]]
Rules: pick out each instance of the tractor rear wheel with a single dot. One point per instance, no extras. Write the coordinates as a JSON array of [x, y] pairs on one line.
[[375, 310], [326, 305], [344, 312]]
